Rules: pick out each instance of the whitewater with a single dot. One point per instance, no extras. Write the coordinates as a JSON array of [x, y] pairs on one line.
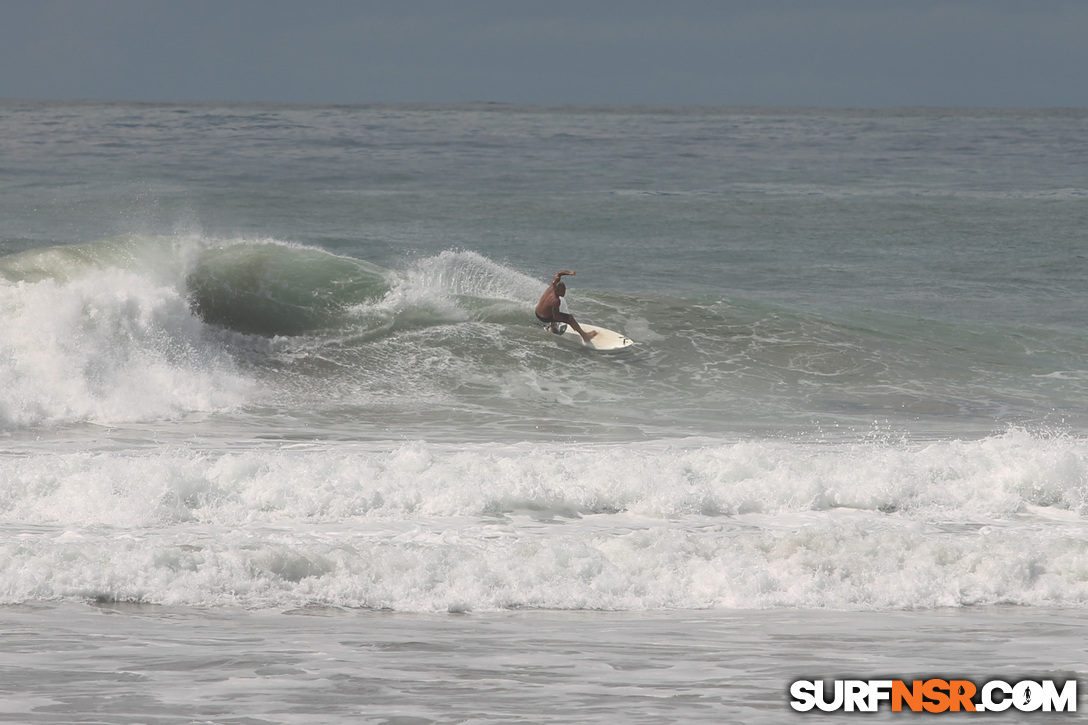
[[265, 361]]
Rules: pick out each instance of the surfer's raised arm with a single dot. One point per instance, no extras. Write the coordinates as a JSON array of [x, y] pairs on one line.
[[560, 274]]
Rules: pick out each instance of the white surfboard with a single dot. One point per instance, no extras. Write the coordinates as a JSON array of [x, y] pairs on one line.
[[604, 341]]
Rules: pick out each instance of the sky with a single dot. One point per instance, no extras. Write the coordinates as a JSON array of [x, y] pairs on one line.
[[836, 53]]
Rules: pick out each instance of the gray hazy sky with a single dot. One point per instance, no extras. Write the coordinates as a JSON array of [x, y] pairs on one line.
[[997, 53]]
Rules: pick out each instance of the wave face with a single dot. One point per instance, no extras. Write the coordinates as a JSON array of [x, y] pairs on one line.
[[268, 289]]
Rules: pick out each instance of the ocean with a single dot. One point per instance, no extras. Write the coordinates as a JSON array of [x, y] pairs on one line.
[[281, 440]]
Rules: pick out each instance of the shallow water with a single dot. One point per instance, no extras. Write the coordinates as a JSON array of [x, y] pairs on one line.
[[146, 664]]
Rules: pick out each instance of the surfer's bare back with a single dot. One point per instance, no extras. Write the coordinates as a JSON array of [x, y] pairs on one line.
[[552, 308]]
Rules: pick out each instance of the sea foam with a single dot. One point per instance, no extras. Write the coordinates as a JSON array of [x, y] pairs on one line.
[[425, 527], [109, 345]]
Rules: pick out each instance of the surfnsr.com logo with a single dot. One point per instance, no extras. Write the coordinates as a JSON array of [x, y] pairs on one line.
[[934, 695]]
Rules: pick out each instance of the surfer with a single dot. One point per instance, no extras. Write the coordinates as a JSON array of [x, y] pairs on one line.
[[552, 308]]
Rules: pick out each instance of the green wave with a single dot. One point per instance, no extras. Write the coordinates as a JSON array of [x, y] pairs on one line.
[[272, 289]]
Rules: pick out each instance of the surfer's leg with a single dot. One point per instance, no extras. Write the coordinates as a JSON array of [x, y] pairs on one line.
[[586, 336]]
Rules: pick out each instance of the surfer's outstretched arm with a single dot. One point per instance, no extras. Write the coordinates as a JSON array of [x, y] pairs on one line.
[[560, 274]]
